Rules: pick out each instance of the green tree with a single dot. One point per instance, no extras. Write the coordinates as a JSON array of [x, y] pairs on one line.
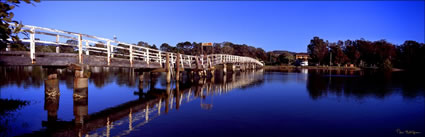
[[184, 47], [318, 50], [351, 51], [227, 49], [338, 56], [168, 48], [286, 58], [6, 17], [411, 55]]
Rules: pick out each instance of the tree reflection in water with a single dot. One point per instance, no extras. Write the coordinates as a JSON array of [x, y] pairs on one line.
[[361, 84], [154, 97]]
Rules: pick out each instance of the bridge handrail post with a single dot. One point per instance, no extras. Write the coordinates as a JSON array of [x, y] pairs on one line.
[[32, 45], [57, 43], [108, 46], [206, 62], [228, 59], [190, 61], [160, 58], [181, 61], [131, 55], [210, 58], [80, 49], [147, 56], [172, 61], [202, 61]]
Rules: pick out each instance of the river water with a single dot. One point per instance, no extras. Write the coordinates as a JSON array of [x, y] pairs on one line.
[[114, 102]]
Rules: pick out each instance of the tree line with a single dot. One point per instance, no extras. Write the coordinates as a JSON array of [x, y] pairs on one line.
[[364, 53], [194, 48]]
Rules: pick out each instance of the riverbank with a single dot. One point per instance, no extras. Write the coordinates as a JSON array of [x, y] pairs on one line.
[[291, 67]]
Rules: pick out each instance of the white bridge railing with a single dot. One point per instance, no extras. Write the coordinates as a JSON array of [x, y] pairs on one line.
[[87, 44]]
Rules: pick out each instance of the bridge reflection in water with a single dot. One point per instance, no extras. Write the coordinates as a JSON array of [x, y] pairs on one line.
[[124, 118]]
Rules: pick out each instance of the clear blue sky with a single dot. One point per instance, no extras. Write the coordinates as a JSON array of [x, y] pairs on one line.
[[271, 25]]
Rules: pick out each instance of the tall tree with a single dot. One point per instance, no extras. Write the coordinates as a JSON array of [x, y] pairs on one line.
[[338, 56], [184, 47], [368, 52], [411, 55], [166, 47], [351, 51], [318, 50]]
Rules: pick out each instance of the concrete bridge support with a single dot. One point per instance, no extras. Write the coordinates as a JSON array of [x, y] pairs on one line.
[[51, 97], [80, 96], [167, 68], [178, 65], [140, 93]]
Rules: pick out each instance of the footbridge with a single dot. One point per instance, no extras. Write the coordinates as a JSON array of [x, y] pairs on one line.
[[97, 51]]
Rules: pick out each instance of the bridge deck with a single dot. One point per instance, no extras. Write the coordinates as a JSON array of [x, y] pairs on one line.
[[22, 58]]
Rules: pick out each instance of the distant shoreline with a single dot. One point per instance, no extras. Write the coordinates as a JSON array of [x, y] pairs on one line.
[[291, 67]]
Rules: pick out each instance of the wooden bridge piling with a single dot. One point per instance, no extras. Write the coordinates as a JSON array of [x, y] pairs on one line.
[[80, 96], [178, 67], [167, 68], [51, 97]]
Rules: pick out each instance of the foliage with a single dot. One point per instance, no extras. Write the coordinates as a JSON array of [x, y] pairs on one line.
[[351, 52], [194, 48], [318, 50], [410, 55], [6, 17], [338, 56], [286, 58], [72, 42], [145, 44]]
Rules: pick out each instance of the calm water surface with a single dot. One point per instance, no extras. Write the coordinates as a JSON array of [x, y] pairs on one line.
[[114, 102]]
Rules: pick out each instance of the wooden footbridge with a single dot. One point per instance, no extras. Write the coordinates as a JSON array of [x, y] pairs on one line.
[[113, 53]]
